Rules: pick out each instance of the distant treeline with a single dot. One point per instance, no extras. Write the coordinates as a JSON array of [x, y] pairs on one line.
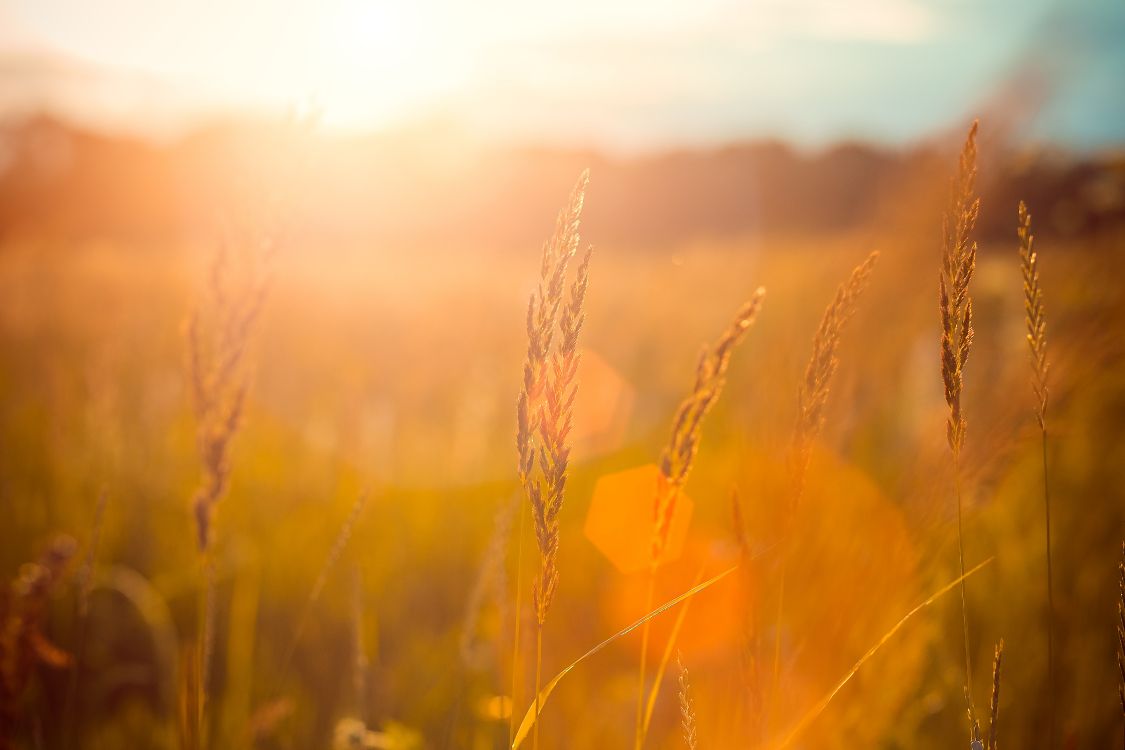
[[426, 187]]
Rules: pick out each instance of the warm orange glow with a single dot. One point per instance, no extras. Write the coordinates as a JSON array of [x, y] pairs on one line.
[[619, 521]]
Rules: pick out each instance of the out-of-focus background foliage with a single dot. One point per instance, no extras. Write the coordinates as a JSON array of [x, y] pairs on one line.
[[388, 359]]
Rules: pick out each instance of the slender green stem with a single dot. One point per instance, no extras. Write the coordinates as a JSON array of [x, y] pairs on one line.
[[964, 598], [538, 680], [639, 740], [519, 618], [1050, 603]]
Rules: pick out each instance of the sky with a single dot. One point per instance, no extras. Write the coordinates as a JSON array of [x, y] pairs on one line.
[[626, 75]]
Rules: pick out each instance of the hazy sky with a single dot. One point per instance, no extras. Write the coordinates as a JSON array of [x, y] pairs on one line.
[[633, 74]]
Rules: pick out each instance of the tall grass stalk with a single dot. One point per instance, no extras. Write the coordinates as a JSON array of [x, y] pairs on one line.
[[218, 332], [545, 407], [812, 400], [520, 533], [1036, 319], [679, 457], [959, 257]]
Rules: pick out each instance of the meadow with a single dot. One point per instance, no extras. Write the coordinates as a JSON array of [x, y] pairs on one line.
[[365, 553]]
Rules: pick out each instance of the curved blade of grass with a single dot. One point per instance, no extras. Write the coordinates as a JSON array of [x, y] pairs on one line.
[[650, 705], [819, 707], [530, 717]]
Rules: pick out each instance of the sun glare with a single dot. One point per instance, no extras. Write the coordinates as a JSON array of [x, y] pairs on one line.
[[377, 62]]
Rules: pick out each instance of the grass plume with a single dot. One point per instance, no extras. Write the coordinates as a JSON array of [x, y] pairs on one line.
[[687, 706], [958, 262], [687, 425], [218, 334], [1035, 318], [812, 394]]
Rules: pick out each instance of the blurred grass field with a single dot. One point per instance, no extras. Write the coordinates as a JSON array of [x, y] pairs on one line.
[[394, 368]]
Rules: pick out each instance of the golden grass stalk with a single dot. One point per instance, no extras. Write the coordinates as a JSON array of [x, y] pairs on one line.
[[959, 258], [530, 718], [687, 706], [812, 399], [994, 704], [218, 333], [679, 455], [545, 407], [1036, 319], [822, 704]]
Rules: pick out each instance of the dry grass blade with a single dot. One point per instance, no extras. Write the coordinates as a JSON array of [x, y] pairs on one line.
[[666, 658], [683, 444], [687, 706], [531, 716], [812, 394], [818, 709], [994, 705]]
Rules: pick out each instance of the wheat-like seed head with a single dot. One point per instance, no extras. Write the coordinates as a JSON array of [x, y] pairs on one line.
[[812, 394], [959, 258], [1034, 314], [544, 409], [687, 706], [218, 377], [995, 703], [679, 455]]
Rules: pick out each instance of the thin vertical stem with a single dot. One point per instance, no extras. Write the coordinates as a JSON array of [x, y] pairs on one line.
[[206, 644], [964, 599], [519, 618], [639, 740], [538, 680], [1050, 602], [775, 684]]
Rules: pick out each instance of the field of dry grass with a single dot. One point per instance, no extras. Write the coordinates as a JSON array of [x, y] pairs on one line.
[[392, 373]]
